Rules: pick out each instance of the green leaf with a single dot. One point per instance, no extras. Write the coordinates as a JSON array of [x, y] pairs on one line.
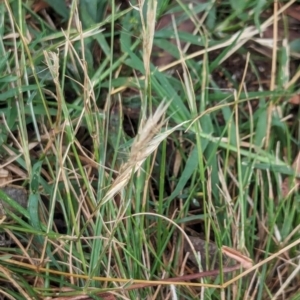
[[35, 180], [60, 7], [91, 12], [8, 78], [14, 204], [190, 167], [5, 257], [33, 205], [261, 126], [295, 45], [4, 96]]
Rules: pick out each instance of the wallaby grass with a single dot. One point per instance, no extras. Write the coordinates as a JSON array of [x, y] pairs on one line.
[[116, 153]]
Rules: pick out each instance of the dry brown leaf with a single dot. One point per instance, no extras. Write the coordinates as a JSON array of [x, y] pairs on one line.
[[103, 295], [39, 5], [295, 100], [293, 11], [5, 177], [230, 255], [245, 261]]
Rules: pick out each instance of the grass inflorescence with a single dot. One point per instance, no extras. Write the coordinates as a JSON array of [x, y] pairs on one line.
[[146, 136]]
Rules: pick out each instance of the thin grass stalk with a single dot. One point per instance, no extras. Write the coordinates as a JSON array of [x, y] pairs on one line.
[[273, 71], [161, 234]]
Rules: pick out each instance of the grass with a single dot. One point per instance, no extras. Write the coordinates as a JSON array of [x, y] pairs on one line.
[[119, 156]]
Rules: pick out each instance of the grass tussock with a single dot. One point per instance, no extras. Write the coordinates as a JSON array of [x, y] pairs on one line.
[[149, 150]]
